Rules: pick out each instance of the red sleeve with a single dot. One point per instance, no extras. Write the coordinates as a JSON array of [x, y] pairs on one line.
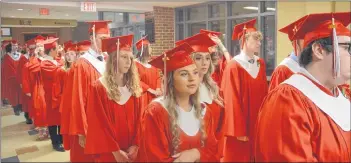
[[100, 134], [144, 86], [280, 74], [158, 79], [58, 88], [284, 128], [80, 83], [155, 145], [234, 119], [25, 79], [209, 153], [139, 109]]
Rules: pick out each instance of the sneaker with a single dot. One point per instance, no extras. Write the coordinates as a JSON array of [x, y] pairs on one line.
[[29, 121], [58, 147]]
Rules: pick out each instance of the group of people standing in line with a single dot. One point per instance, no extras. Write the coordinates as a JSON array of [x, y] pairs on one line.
[[192, 103]]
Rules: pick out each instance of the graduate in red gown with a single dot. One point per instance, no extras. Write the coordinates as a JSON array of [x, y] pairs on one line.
[[209, 90], [149, 75], [10, 86], [289, 65], [220, 55], [30, 45], [177, 127], [87, 69], [49, 74], [114, 108], [244, 87], [307, 118], [33, 87]]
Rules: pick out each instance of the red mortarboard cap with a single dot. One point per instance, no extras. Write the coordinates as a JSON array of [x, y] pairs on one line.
[[84, 46], [67, 44], [50, 43], [292, 28], [101, 27], [242, 28], [199, 42], [142, 42], [175, 58], [218, 34], [317, 26], [51, 37], [71, 47], [31, 43], [110, 44], [39, 39], [13, 41]]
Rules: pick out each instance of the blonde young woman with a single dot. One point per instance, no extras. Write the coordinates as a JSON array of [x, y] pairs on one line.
[[176, 126], [113, 109]]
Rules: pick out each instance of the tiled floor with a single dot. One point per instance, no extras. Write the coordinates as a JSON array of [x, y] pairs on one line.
[[18, 141]]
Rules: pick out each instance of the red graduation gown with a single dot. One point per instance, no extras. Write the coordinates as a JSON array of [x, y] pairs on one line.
[[280, 74], [37, 92], [52, 90], [116, 124], [156, 137], [10, 87], [23, 98], [218, 73], [243, 96], [82, 76], [291, 128], [150, 78]]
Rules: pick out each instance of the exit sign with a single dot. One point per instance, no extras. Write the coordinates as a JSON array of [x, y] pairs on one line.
[[88, 6], [43, 11]]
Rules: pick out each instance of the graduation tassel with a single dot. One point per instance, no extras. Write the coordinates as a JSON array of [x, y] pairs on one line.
[[94, 39], [165, 75], [295, 41], [243, 37], [117, 54], [336, 54], [142, 49]]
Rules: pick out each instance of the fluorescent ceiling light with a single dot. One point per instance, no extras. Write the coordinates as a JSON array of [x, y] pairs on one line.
[[270, 9], [20, 9], [251, 8], [12, 16]]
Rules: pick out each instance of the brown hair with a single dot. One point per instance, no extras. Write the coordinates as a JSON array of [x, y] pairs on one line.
[[131, 78]]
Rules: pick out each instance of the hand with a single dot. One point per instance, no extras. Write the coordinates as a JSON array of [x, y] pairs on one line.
[[132, 152], [191, 155], [243, 138], [158, 92], [21, 85], [152, 91], [81, 140], [216, 39], [121, 156], [29, 95]]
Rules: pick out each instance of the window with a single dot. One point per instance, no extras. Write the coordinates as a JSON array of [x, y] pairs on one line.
[[136, 18], [109, 16], [269, 43], [241, 8], [195, 28], [118, 17], [180, 34], [269, 6], [179, 15], [219, 26], [217, 10], [197, 13]]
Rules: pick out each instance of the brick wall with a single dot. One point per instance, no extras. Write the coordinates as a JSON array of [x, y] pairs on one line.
[[164, 29]]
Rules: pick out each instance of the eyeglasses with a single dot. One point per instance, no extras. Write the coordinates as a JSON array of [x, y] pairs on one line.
[[349, 46]]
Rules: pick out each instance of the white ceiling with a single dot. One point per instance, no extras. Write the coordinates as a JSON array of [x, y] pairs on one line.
[[71, 9]]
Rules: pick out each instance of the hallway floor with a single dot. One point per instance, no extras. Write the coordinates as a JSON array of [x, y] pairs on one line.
[[19, 144]]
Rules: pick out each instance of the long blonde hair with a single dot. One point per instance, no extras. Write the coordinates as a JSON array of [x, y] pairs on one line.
[[131, 78], [210, 83], [171, 105]]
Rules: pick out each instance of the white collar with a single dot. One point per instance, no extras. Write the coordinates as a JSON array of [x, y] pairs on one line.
[[291, 65], [26, 55], [98, 65], [50, 59], [146, 65], [252, 69], [95, 54], [187, 121], [205, 94], [15, 57], [125, 92], [338, 108]]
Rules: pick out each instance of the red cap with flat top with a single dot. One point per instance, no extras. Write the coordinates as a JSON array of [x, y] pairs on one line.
[[50, 43], [39, 39], [66, 44], [101, 27], [218, 34], [109, 45], [200, 42], [31, 43], [14, 42], [71, 47], [241, 29], [175, 58], [317, 26], [142, 42], [292, 28], [83, 46]]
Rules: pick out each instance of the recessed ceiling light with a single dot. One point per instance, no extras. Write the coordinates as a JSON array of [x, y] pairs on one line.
[[20, 9], [251, 8], [12, 16], [66, 15]]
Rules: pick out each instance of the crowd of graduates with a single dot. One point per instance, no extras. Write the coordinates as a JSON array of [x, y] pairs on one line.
[[193, 103]]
